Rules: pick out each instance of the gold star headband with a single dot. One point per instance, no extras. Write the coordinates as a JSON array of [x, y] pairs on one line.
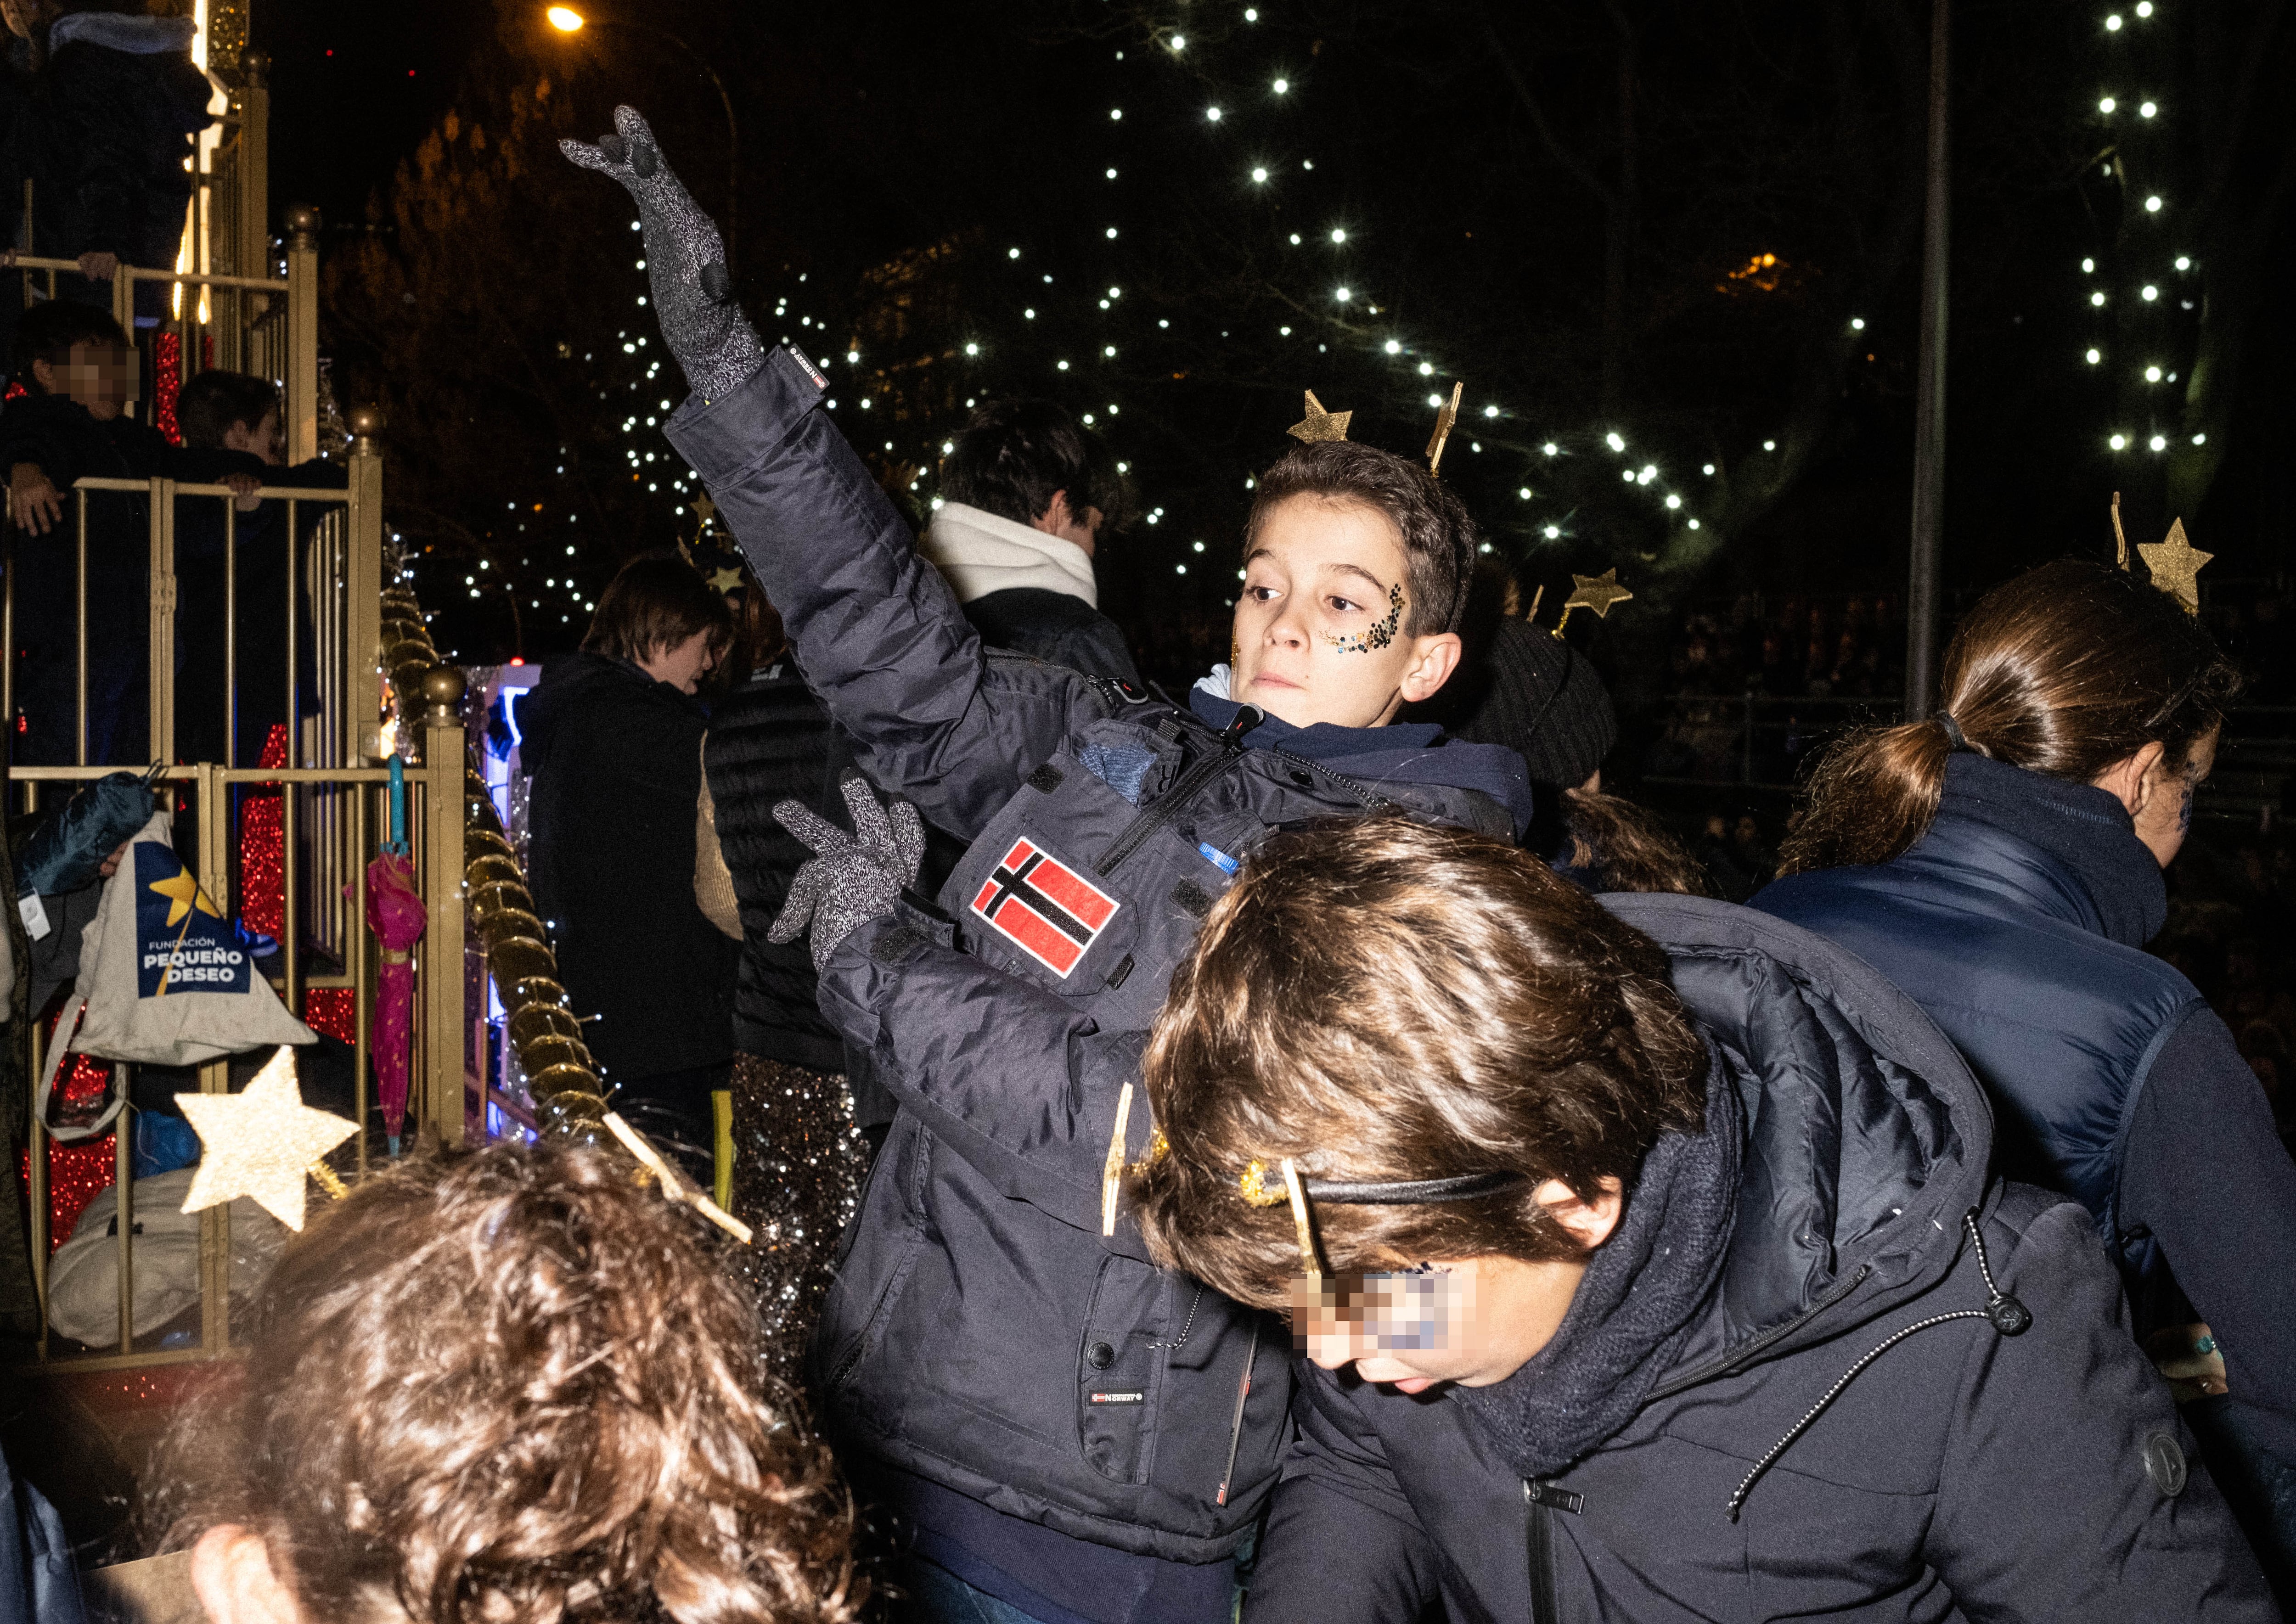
[[2174, 565], [1320, 425], [1598, 594]]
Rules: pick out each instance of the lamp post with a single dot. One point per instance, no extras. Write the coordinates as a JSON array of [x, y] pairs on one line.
[[566, 19]]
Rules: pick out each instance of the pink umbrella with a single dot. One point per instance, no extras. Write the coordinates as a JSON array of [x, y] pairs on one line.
[[396, 915]]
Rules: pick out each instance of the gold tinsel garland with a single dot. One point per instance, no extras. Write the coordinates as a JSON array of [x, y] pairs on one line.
[[570, 1101]]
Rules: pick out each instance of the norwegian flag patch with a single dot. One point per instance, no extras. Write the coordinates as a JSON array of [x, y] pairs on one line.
[[1043, 906]]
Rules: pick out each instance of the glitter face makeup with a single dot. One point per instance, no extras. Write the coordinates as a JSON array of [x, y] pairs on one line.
[[1381, 632]]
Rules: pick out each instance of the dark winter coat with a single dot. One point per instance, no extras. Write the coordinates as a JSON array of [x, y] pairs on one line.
[[615, 761], [1961, 1474], [770, 741], [1054, 627], [2018, 922], [116, 107], [983, 1334]]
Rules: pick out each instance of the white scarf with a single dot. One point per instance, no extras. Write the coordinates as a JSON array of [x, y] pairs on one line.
[[980, 554]]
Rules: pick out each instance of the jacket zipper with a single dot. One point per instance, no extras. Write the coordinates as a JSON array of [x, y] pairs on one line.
[[1540, 1543], [1738, 1356], [1175, 799], [1235, 1426], [1362, 792]]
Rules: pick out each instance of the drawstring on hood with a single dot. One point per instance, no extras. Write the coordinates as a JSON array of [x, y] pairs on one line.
[[2007, 1316]]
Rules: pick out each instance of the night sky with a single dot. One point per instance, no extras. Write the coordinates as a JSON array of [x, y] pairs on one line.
[[1470, 157]]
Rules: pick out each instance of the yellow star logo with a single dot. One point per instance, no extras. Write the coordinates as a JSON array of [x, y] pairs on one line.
[[1319, 424], [259, 1142], [2175, 565], [184, 894], [725, 580]]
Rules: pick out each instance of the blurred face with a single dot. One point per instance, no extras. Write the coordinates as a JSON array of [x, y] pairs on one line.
[[1319, 627], [1474, 1321], [681, 664], [98, 376]]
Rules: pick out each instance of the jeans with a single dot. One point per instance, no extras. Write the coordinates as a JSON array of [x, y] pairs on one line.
[[938, 1596]]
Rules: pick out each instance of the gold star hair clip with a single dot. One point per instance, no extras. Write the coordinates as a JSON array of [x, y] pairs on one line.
[[1319, 424], [1599, 594], [2173, 564]]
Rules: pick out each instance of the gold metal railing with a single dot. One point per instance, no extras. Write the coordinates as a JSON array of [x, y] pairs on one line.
[[333, 791]]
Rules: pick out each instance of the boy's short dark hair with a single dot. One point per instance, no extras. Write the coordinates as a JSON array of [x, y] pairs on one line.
[[214, 400], [48, 330], [1439, 536], [1382, 999], [655, 603], [1013, 457]]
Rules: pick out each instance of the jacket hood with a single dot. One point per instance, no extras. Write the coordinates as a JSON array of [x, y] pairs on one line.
[[1404, 752], [980, 554], [1866, 1140], [571, 688]]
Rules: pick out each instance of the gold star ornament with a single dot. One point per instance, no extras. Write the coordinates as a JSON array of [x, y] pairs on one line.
[[1446, 421], [259, 1143], [2175, 566], [1599, 594], [1319, 424]]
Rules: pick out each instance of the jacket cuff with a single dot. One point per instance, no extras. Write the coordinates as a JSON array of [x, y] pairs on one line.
[[721, 438]]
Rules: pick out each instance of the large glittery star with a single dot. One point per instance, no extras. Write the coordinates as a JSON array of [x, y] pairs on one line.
[[259, 1142], [1319, 424], [1445, 420], [1599, 593], [2175, 565]]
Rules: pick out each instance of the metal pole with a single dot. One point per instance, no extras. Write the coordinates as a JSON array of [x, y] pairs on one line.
[[1929, 411]]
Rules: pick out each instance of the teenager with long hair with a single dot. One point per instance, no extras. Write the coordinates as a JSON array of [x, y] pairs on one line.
[[2002, 863]]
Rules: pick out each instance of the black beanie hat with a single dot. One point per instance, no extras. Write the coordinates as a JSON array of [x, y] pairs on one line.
[[1544, 699]]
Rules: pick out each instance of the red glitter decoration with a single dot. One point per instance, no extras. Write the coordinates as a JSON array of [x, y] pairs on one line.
[[168, 368], [331, 1010], [76, 1172], [262, 849]]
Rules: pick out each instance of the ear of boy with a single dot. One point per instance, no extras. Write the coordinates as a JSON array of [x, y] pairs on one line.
[[232, 1571]]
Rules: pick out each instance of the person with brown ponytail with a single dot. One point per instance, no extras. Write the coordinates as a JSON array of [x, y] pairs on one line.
[[2002, 863]]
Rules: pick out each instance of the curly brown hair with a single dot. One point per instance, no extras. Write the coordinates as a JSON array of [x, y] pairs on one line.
[[1380, 999], [514, 1386]]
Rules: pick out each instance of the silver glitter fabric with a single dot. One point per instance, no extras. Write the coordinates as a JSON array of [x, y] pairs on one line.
[[685, 259], [798, 1165]]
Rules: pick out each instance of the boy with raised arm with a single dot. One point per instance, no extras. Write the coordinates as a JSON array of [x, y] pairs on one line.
[[1068, 1433]]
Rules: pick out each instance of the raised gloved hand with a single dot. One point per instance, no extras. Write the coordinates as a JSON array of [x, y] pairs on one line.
[[851, 878], [685, 260]]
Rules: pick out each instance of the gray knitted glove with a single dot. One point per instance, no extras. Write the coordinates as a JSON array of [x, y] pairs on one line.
[[848, 880], [685, 260]]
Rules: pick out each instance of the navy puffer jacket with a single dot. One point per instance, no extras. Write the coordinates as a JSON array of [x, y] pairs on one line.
[[1961, 1474]]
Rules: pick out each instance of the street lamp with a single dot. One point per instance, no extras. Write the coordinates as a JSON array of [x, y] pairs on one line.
[[566, 19]]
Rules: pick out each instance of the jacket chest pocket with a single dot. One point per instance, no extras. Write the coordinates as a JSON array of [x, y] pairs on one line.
[[1027, 897], [1121, 1366]]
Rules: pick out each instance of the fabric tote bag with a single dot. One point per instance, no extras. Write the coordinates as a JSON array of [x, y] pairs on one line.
[[164, 977]]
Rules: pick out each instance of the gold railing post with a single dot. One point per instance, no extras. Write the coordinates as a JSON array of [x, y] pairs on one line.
[[302, 333], [440, 976], [362, 575], [252, 230], [215, 842], [160, 738]]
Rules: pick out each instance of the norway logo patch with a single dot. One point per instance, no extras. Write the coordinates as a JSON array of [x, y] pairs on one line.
[[1049, 910]]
